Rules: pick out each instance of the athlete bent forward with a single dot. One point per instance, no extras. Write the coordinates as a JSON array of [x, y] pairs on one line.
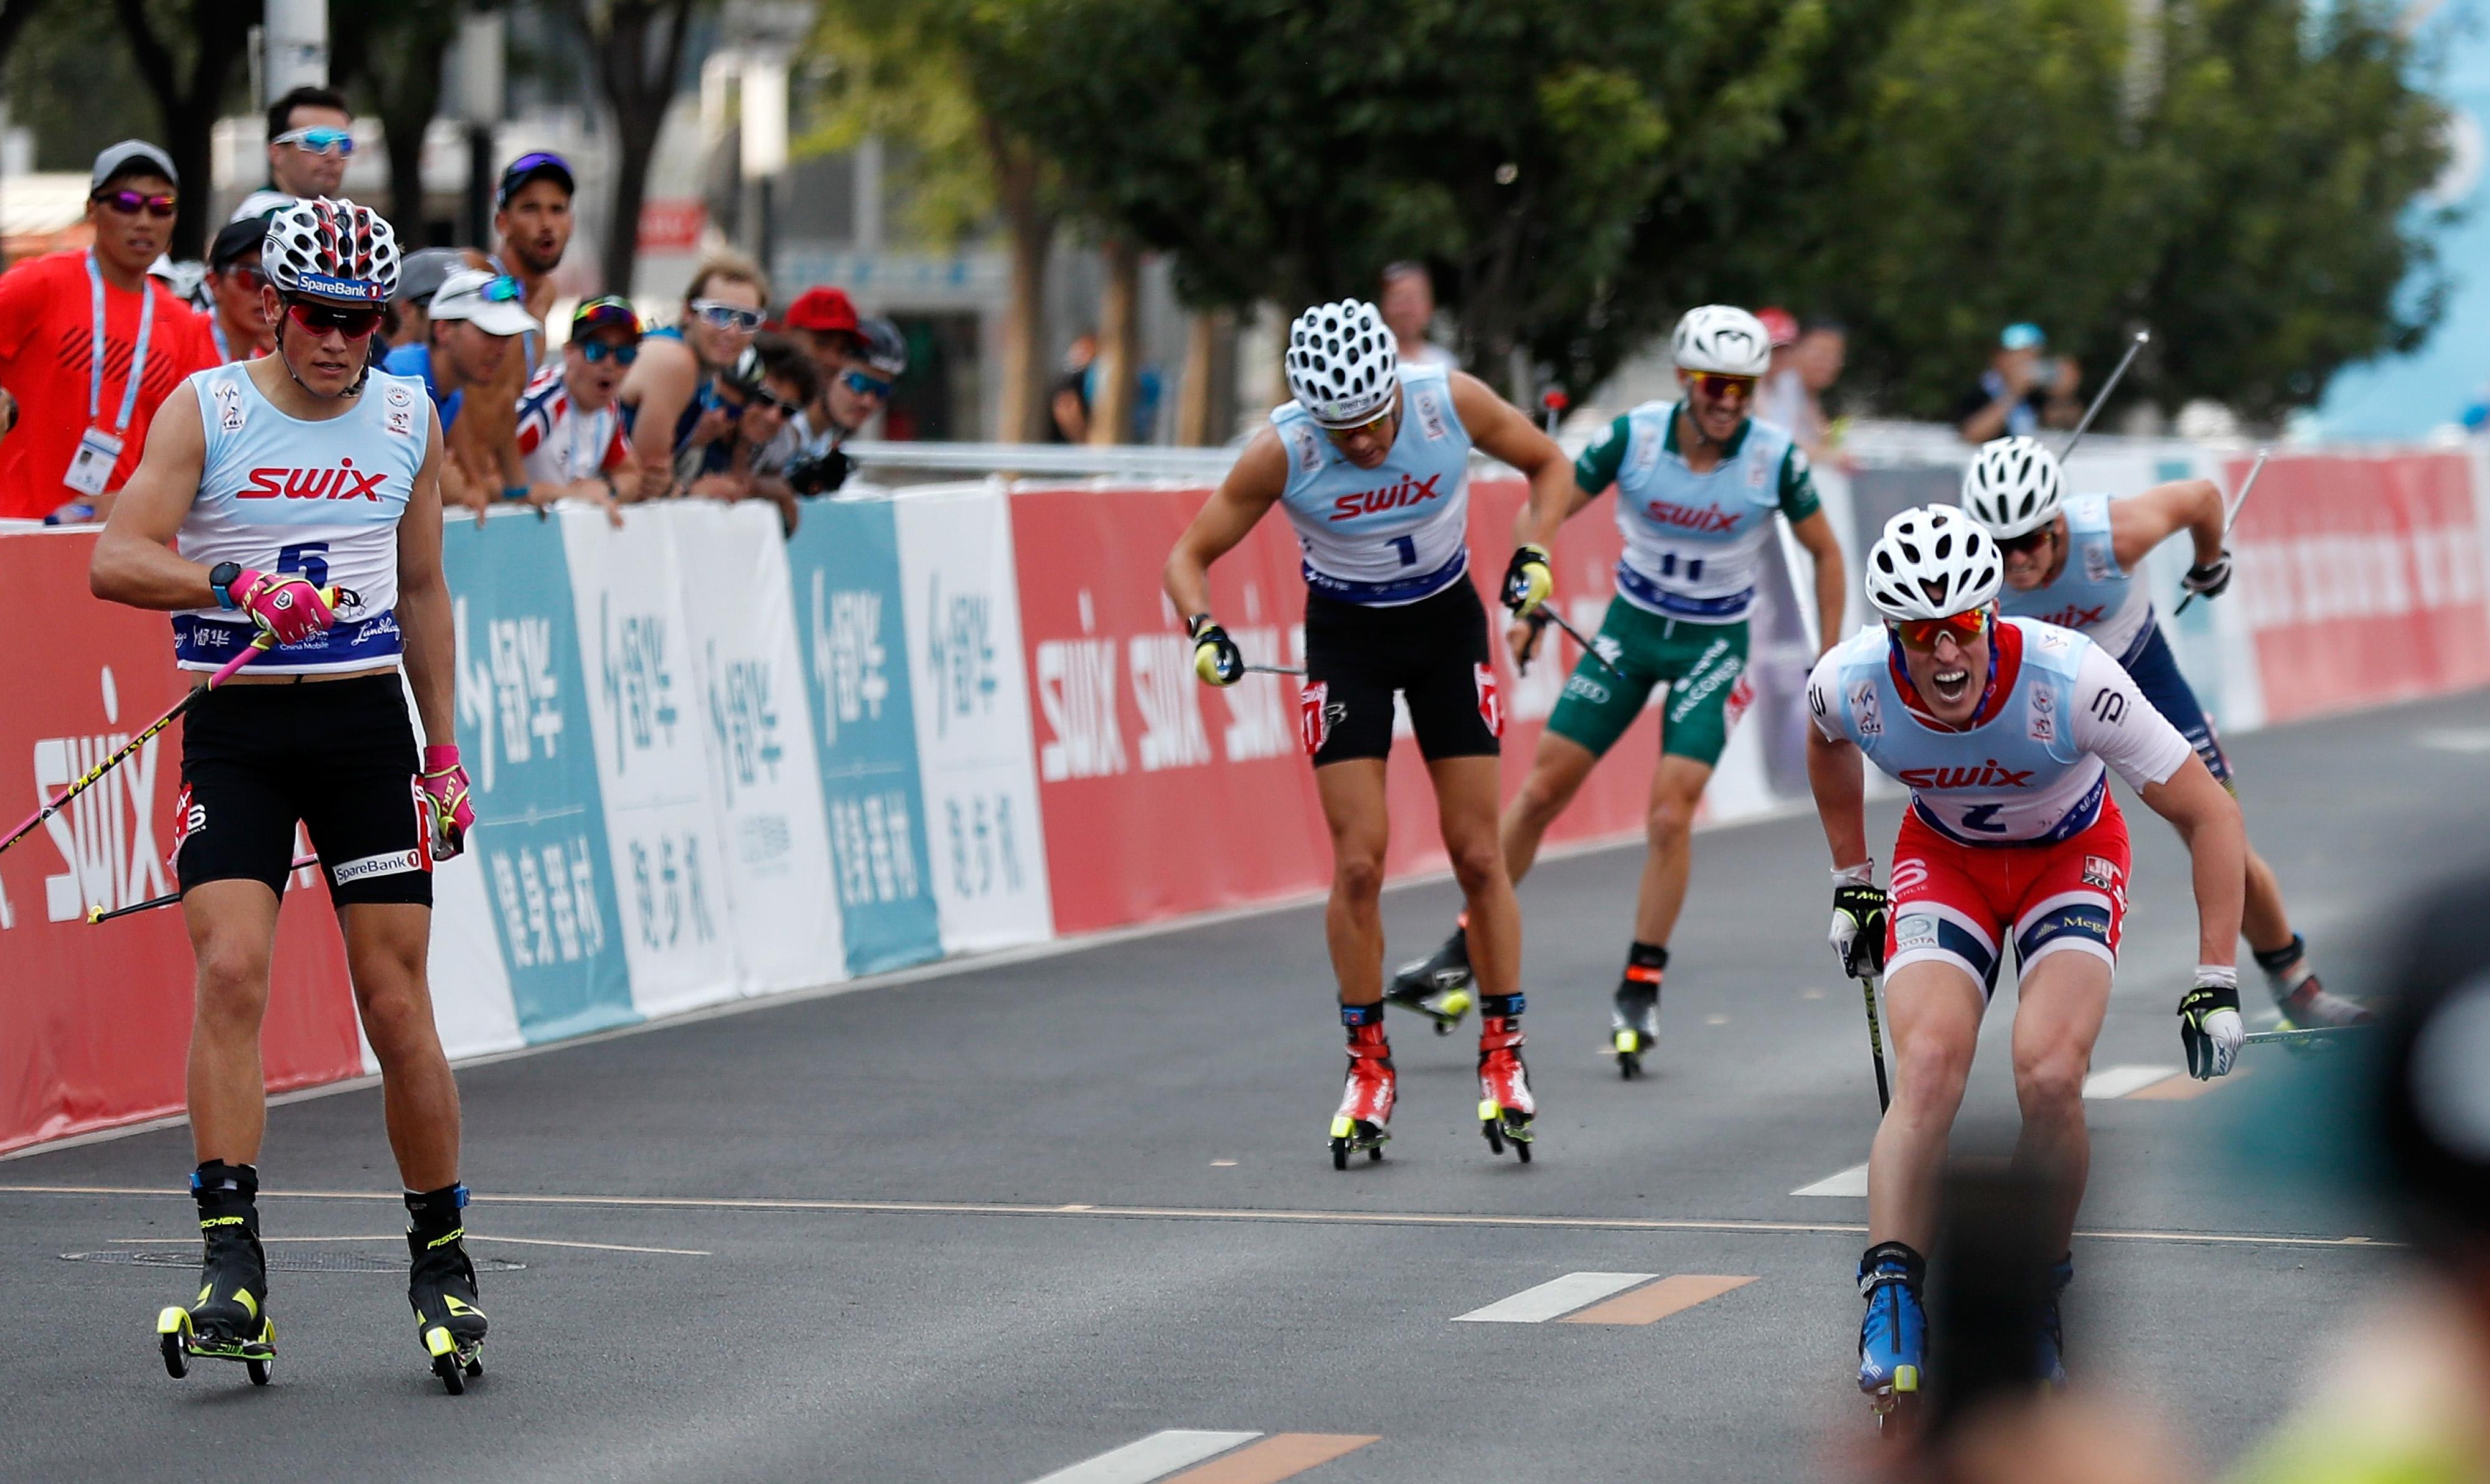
[[2001, 729], [1371, 463], [264, 481]]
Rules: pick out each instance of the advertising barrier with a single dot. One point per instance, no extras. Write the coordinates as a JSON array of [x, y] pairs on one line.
[[712, 761]]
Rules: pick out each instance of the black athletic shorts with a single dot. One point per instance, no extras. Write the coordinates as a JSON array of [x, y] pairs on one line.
[[1434, 651], [338, 755]]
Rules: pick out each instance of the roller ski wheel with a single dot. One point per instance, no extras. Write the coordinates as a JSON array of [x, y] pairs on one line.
[[441, 1289], [1364, 1117], [1893, 1333], [1897, 1414], [1634, 1025], [181, 1341], [1505, 1105], [228, 1319], [1437, 986]]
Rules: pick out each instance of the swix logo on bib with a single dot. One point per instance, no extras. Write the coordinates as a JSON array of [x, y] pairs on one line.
[[1692, 537], [1988, 775], [343, 483], [319, 501], [1391, 497], [1707, 519]]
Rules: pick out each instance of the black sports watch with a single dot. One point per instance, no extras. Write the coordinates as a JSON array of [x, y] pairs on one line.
[[220, 580]]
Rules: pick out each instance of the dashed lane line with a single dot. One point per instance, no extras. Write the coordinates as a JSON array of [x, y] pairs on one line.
[[1851, 1182], [1723, 1226], [2124, 1081], [1147, 1459], [1544, 1302], [1657, 1301]]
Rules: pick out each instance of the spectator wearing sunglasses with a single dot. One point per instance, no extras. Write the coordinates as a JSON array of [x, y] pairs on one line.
[[755, 405], [73, 325], [236, 322], [669, 390], [475, 317], [310, 139], [571, 440], [856, 386]]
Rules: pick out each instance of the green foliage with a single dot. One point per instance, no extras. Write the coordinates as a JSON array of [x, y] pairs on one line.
[[2249, 204], [894, 72]]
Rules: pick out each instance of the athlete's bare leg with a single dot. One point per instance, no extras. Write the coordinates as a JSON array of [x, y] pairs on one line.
[[1465, 788], [386, 948], [1558, 767], [1353, 805], [1676, 792], [1932, 1010], [2058, 1011], [2263, 919], [233, 937]]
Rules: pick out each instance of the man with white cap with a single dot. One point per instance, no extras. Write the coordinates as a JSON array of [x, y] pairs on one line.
[[476, 315]]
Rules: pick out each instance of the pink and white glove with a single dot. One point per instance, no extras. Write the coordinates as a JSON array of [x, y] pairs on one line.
[[448, 816], [288, 610]]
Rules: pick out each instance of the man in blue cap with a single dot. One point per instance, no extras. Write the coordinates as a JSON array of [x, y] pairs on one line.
[[2022, 391]]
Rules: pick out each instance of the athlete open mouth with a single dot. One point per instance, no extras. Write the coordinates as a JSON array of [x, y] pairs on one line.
[[1950, 684]]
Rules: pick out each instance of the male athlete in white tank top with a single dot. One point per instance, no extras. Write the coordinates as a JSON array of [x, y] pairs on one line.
[[289, 508], [1370, 464]]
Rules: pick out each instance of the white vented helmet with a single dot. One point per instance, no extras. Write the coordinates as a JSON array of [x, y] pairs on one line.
[[320, 248], [1343, 364], [1933, 562], [2012, 486], [1721, 337]]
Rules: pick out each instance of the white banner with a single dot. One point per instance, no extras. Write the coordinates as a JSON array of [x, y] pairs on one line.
[[653, 765], [749, 680], [961, 593]]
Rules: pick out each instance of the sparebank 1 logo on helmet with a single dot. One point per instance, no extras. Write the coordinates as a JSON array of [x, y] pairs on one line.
[[343, 483], [322, 285], [1405, 491]]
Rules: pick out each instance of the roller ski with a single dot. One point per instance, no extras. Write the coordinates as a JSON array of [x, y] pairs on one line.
[[1437, 986], [441, 1289], [1894, 1333], [229, 1319], [1505, 1104], [1363, 1120], [1634, 1016]]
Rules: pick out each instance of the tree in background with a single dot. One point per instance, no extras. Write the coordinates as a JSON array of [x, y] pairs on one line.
[[394, 54], [896, 72], [638, 49], [185, 53]]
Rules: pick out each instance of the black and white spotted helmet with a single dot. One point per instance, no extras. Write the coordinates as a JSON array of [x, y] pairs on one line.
[[320, 248], [1343, 364], [1933, 562], [2012, 487], [1723, 338]]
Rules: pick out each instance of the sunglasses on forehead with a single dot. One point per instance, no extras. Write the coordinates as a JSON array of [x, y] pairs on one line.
[[354, 322], [129, 203], [319, 139], [1923, 633]]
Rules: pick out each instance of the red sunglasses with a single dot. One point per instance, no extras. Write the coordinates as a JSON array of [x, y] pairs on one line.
[[1719, 385], [318, 319], [1923, 633], [129, 203]]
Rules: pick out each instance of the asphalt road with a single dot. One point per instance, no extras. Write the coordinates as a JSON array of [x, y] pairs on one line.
[[993, 1224]]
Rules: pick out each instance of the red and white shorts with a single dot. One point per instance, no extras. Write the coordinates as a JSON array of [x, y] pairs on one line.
[[1954, 903]]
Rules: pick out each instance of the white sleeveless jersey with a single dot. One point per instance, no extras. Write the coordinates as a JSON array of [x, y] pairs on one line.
[[317, 499], [2093, 595], [1393, 534], [2029, 768], [1691, 540]]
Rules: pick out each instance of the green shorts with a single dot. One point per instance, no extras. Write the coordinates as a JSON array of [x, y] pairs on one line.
[[1697, 663]]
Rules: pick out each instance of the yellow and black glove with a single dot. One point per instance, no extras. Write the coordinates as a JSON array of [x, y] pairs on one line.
[[1528, 582], [1215, 657]]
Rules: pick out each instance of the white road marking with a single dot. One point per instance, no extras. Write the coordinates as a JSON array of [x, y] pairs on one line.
[[1154, 1457], [2456, 738], [1555, 1296], [1851, 1182], [524, 1241], [2119, 1080]]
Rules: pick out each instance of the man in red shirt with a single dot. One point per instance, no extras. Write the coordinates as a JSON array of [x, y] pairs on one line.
[[81, 428]]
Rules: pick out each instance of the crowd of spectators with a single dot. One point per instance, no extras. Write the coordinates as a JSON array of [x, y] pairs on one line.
[[727, 402]]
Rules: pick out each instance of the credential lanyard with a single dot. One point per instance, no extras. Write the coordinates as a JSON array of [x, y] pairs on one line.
[[138, 355]]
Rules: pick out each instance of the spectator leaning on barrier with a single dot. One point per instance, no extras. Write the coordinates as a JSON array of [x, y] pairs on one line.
[[1408, 302], [236, 322], [758, 400], [475, 316], [310, 137], [409, 319], [856, 382], [671, 388], [90, 344], [571, 440], [532, 222], [2023, 391]]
